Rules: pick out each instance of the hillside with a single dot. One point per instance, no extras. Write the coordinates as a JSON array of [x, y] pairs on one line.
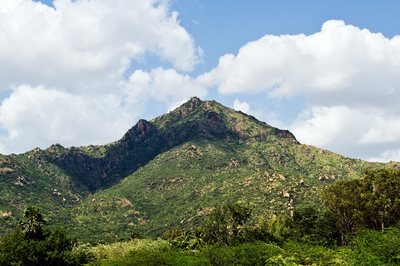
[[170, 171]]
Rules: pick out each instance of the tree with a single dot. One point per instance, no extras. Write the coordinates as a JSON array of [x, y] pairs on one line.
[[33, 223], [343, 200], [381, 194], [225, 225], [314, 224], [32, 244], [369, 202]]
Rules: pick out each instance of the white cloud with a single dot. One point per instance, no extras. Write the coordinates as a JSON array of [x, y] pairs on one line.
[[352, 64], [87, 44], [241, 106], [40, 116], [74, 59], [384, 129], [389, 155], [326, 126], [36, 116], [364, 133], [348, 76], [163, 85]]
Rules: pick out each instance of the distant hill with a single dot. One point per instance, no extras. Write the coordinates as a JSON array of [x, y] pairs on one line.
[[169, 171]]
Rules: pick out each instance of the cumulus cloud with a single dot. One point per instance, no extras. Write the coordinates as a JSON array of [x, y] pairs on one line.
[[369, 133], [340, 59], [162, 85], [76, 59], [36, 116], [241, 106], [87, 44], [348, 76]]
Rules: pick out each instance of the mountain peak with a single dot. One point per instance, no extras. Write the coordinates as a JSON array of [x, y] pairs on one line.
[[139, 131], [214, 119], [195, 100], [190, 106]]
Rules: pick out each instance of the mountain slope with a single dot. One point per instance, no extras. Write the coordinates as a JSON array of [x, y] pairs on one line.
[[224, 156], [169, 171]]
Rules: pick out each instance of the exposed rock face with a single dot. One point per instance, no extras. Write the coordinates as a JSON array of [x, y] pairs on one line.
[[212, 125], [327, 177], [4, 214], [55, 148], [142, 129], [281, 177], [190, 106], [285, 134], [22, 181]]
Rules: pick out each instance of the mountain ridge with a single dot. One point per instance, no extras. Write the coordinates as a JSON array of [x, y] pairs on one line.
[[166, 171], [206, 121]]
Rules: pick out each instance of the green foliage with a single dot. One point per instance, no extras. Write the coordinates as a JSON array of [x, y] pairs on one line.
[[256, 253], [372, 247], [381, 190], [314, 225], [226, 224], [184, 239], [370, 202], [118, 249], [32, 244], [144, 252], [368, 247], [151, 252], [54, 249], [33, 223], [279, 227], [343, 199]]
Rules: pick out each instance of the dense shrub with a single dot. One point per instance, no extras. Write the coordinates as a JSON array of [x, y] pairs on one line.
[[314, 225], [226, 225], [32, 244], [371, 247]]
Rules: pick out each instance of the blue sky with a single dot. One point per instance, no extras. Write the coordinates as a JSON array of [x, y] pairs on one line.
[[326, 70]]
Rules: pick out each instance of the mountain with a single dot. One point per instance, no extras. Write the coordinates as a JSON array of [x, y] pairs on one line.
[[169, 171]]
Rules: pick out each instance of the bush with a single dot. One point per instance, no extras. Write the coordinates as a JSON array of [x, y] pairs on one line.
[[54, 249], [372, 247], [183, 239], [314, 226], [146, 252], [32, 244], [226, 225], [256, 253]]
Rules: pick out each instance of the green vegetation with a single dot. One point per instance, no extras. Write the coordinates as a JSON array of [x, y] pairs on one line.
[[224, 238], [158, 252], [369, 202], [169, 172], [226, 235], [33, 244]]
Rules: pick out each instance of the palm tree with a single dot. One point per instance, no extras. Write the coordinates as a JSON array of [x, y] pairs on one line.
[[32, 226]]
